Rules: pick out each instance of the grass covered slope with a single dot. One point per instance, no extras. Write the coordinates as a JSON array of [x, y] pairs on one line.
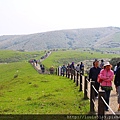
[[23, 90], [16, 56], [64, 57]]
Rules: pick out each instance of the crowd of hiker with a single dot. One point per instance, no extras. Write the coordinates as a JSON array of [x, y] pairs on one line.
[[103, 76], [101, 72], [69, 67]]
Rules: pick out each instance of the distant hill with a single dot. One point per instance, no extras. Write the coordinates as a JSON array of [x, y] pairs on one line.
[[96, 38]]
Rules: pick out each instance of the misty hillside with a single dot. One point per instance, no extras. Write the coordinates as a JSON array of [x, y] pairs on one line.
[[108, 37]]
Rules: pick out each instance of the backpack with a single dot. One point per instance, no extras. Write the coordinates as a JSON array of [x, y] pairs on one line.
[[99, 80]]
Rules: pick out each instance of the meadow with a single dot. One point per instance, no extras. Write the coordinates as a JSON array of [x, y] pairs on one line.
[[8, 56], [60, 57], [24, 91]]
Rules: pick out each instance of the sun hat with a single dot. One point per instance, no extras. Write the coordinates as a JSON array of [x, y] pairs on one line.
[[107, 64]]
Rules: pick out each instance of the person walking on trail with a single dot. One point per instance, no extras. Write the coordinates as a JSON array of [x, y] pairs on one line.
[[72, 66], [68, 69], [82, 68], [93, 75], [116, 67], [63, 70], [106, 76], [102, 64], [78, 68], [117, 84], [51, 70], [43, 68]]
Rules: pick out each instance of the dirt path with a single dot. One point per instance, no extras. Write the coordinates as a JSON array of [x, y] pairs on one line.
[[113, 101]]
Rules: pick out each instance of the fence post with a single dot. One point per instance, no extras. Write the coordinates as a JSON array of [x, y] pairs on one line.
[[92, 96], [66, 71], [85, 88], [77, 78], [71, 74], [80, 82], [74, 74], [63, 74], [101, 105], [58, 71]]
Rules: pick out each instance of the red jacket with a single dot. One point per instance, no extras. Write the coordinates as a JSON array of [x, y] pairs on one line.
[[107, 77]]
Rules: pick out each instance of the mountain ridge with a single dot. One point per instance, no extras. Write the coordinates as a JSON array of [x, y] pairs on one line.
[[104, 37]]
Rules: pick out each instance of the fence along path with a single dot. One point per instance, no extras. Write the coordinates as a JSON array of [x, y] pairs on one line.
[[96, 105], [113, 100]]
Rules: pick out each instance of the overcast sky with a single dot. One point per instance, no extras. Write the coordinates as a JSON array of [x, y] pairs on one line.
[[34, 16]]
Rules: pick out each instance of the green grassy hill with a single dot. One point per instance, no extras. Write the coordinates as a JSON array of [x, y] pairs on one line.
[[24, 91], [7, 56], [58, 58]]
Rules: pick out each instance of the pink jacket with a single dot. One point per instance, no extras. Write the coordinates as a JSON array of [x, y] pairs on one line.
[[107, 77]]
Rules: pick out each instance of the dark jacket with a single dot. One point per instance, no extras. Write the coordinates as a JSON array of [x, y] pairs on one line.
[[117, 78], [94, 72]]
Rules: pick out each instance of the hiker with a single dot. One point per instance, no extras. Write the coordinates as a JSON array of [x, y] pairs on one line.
[[51, 70], [82, 68], [72, 65], [117, 84], [106, 75], [102, 64], [78, 68], [35, 61], [116, 67], [43, 68], [93, 75], [63, 70], [68, 69]]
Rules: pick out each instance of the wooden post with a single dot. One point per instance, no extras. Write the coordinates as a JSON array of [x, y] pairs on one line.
[[63, 74], [80, 82], [85, 88], [74, 74], [58, 71], [92, 96], [71, 74], [101, 105], [77, 78], [66, 71]]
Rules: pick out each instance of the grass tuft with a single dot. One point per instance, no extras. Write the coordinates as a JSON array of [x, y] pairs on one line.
[[29, 99]]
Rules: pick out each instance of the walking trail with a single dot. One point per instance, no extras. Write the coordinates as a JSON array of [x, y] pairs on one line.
[[37, 67], [113, 101]]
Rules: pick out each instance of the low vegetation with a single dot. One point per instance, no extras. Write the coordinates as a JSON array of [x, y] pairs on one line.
[[24, 91], [64, 57], [7, 56]]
